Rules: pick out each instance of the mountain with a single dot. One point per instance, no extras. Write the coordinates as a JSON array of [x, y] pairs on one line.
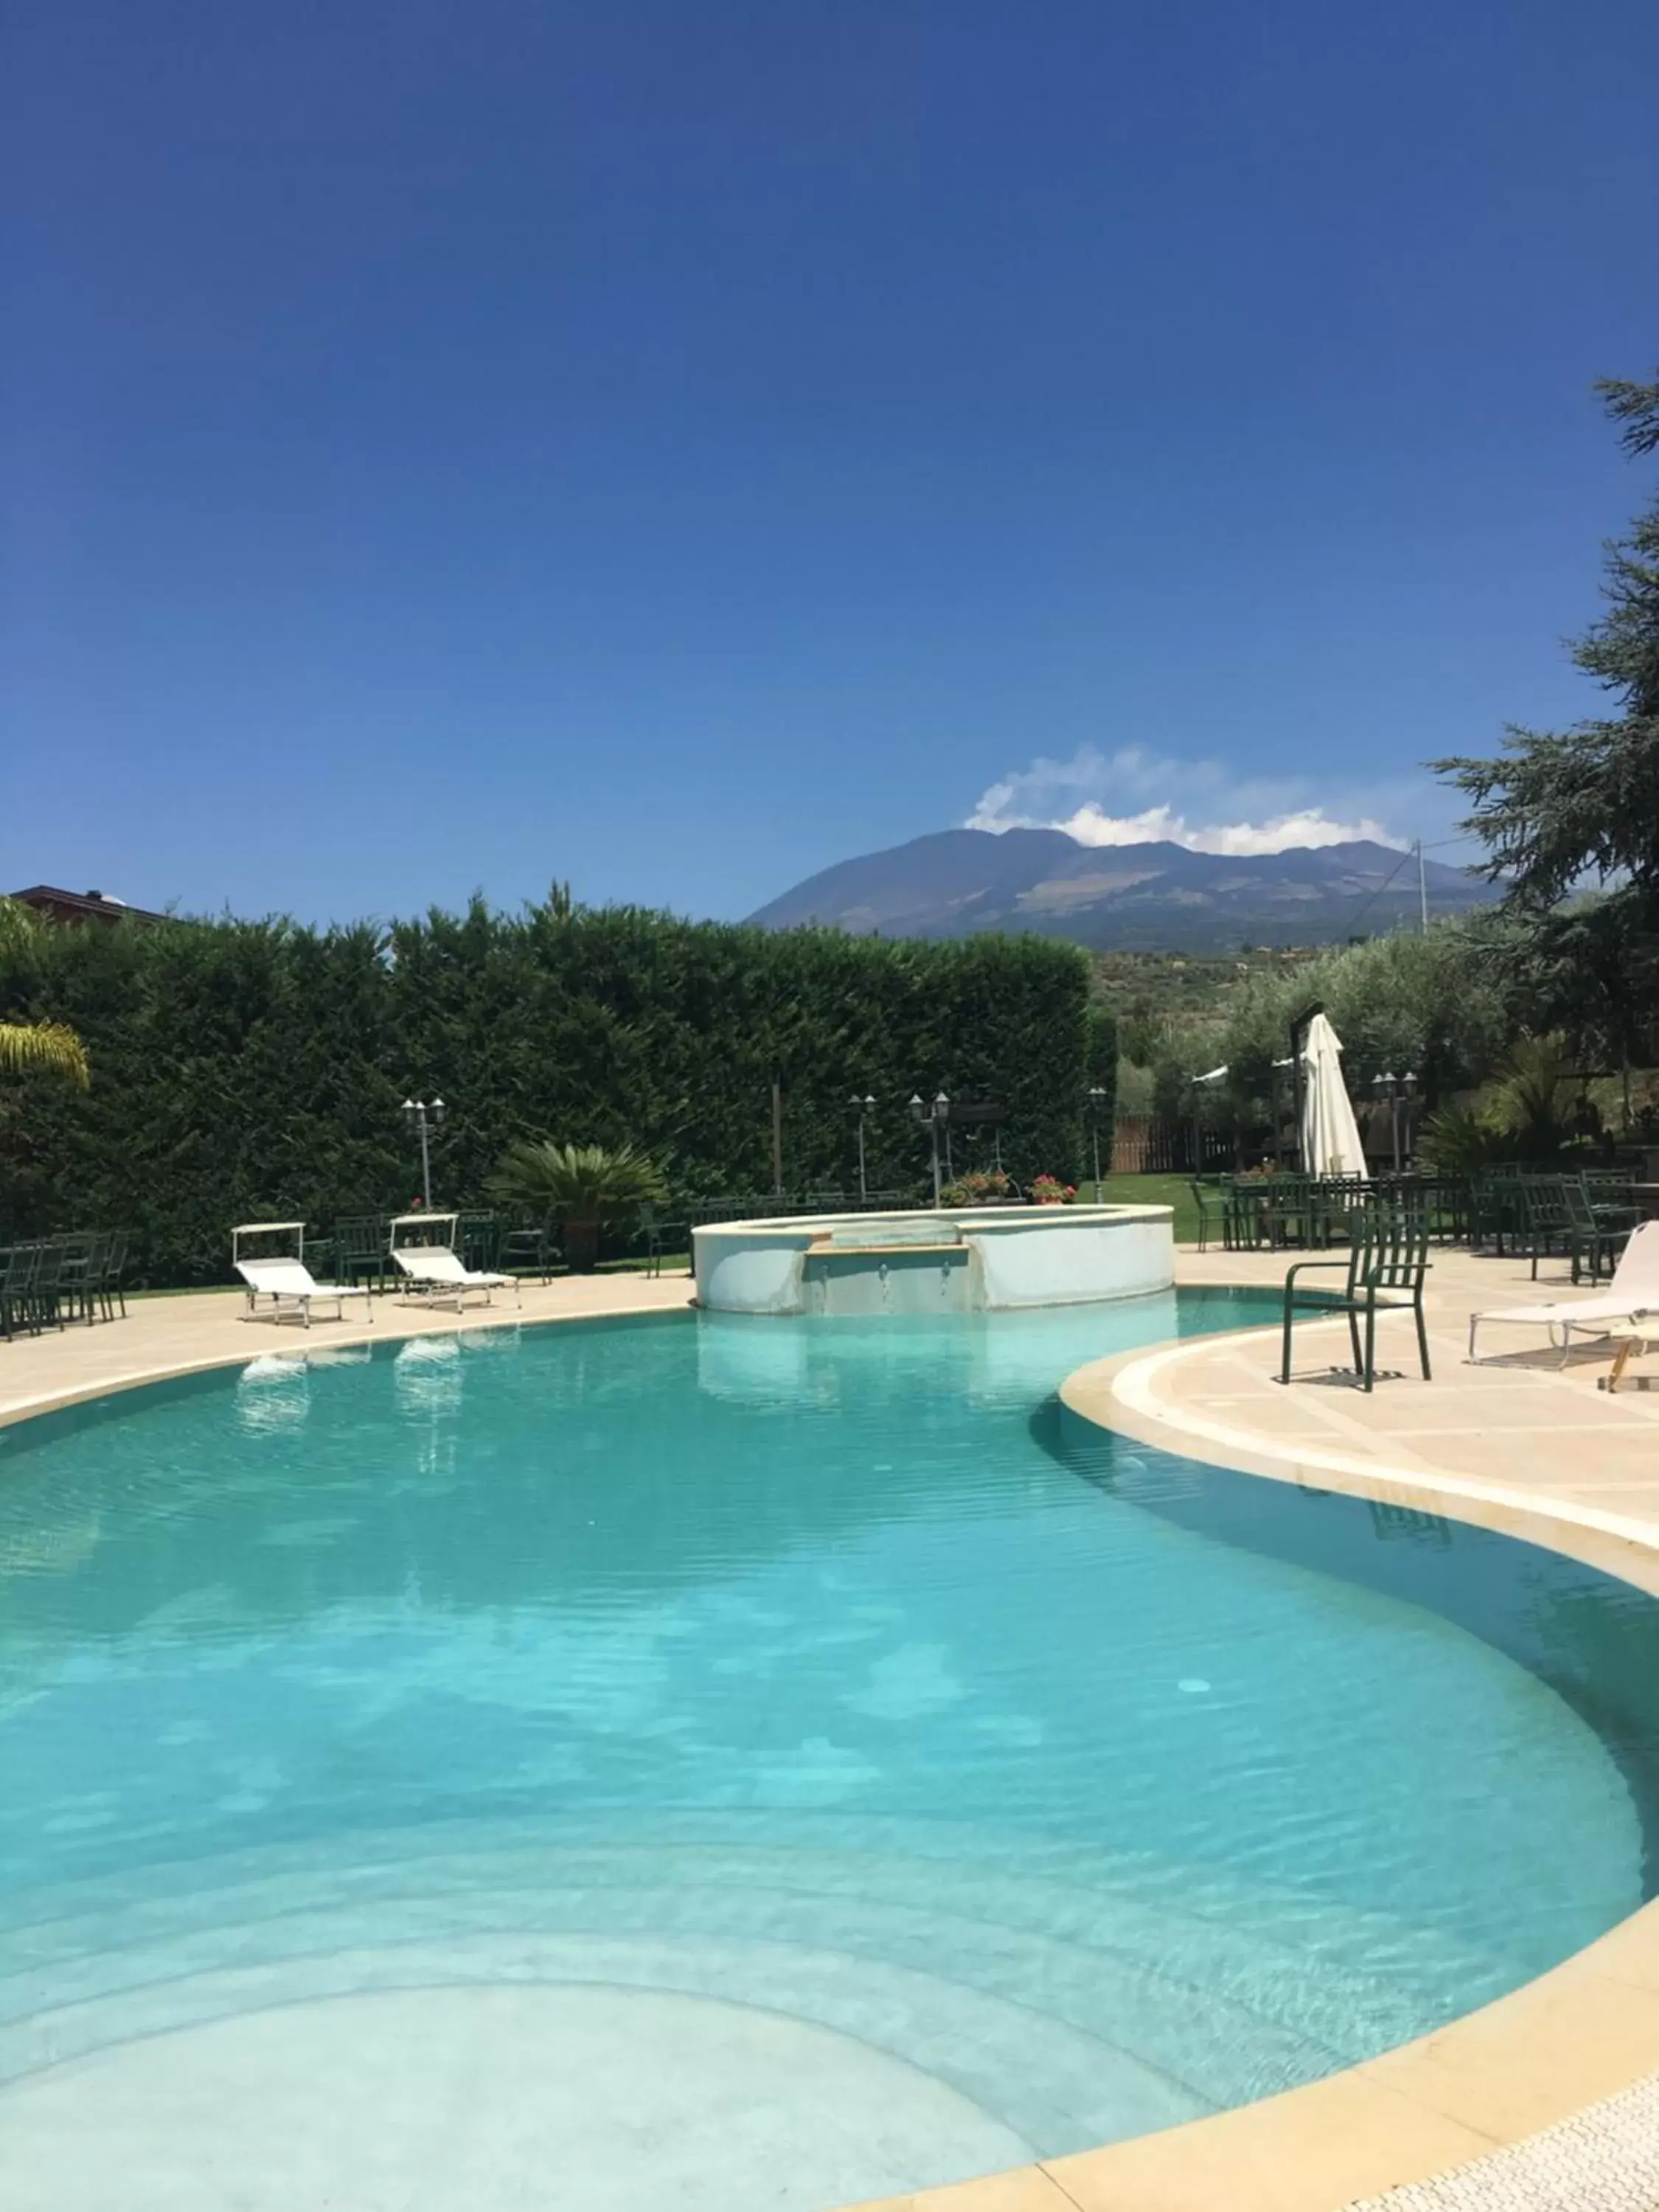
[[1130, 898]]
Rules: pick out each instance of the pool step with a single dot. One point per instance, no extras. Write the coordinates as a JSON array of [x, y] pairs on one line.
[[1075, 2002]]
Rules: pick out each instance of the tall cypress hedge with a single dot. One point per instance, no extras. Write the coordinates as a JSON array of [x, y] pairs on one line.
[[243, 1070]]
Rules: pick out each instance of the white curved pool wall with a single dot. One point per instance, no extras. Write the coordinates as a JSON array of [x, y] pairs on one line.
[[963, 1261]]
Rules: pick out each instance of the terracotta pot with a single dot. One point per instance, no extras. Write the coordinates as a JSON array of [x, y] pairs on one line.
[[581, 1246]]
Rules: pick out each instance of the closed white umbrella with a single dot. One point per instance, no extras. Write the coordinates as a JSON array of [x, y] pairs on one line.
[[1330, 1135]]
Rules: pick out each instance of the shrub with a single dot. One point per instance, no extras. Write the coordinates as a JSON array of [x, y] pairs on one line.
[[247, 1069]]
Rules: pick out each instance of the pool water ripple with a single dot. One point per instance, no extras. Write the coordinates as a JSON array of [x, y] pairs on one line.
[[825, 1670]]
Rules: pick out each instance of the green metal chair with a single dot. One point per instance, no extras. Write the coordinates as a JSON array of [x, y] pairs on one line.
[[17, 1267], [1548, 1227], [1244, 1217], [360, 1249], [79, 1260], [476, 1239], [527, 1250], [1388, 1260], [1598, 1233], [1211, 1207]]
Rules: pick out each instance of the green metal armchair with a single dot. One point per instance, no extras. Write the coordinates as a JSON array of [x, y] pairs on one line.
[[1387, 1262]]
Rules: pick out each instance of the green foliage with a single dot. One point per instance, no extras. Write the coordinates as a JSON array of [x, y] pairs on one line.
[[578, 1182], [988, 1188], [1535, 1109], [248, 1068], [1557, 810], [1461, 1139], [51, 1045], [1536, 1101], [1440, 1006]]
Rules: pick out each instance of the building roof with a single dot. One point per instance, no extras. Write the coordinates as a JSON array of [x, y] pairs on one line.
[[57, 905]]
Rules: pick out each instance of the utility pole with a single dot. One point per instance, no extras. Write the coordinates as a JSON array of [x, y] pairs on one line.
[[1422, 888]]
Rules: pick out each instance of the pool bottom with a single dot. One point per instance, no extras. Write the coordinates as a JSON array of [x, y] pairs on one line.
[[776, 1691], [513, 2091], [911, 2003]]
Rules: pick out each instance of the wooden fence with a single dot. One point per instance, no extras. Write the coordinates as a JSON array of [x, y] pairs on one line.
[[1148, 1144]]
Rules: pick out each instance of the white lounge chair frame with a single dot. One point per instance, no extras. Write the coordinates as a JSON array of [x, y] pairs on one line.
[[284, 1278], [1616, 1312], [433, 1271]]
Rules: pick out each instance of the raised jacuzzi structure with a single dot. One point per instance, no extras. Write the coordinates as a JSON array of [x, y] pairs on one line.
[[957, 1260]]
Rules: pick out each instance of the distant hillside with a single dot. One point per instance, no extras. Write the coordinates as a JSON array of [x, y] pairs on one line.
[[1150, 898]]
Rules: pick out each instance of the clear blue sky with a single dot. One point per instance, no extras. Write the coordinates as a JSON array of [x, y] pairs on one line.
[[675, 445]]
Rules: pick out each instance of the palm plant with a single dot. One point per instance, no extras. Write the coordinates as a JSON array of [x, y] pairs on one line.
[[588, 1188], [51, 1045], [1532, 1100], [1460, 1139]]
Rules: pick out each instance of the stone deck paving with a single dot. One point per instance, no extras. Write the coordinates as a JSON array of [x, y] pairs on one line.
[[198, 1329], [1517, 1432]]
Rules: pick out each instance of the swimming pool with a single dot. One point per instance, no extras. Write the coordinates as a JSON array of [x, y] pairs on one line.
[[729, 1763]]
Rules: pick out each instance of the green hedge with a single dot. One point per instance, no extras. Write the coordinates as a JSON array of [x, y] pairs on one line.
[[248, 1069]]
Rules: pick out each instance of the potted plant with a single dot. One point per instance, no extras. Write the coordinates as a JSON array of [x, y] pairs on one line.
[[1049, 1190], [586, 1189], [986, 1186]]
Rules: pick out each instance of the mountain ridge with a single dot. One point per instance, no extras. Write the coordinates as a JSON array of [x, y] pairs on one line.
[[1157, 896]]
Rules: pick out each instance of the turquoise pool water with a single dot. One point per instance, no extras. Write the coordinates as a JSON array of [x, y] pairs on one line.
[[810, 1704]]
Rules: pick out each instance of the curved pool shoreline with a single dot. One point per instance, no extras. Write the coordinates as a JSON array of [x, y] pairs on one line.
[[1495, 2080], [1581, 2033]]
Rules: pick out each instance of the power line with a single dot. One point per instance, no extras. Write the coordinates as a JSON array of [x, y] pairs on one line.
[[1373, 897]]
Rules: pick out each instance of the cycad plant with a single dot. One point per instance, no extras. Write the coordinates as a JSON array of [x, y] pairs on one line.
[[588, 1188], [1533, 1101]]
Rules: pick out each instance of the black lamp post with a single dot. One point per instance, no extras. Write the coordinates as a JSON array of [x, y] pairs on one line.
[[421, 1119], [934, 1115], [861, 1107], [1393, 1089], [1096, 1100]]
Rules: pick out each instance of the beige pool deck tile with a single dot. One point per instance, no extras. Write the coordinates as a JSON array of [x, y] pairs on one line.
[[1526, 2064], [1628, 1952], [1027, 2189], [200, 1329], [1309, 2151]]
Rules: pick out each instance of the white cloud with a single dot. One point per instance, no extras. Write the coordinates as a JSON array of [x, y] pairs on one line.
[[1125, 798]]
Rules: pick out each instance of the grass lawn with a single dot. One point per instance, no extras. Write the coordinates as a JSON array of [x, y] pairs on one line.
[[1151, 1190]]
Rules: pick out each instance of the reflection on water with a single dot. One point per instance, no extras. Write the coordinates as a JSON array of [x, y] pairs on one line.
[[826, 1661]]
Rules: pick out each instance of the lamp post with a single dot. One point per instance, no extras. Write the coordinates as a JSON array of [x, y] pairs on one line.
[[1394, 1089], [1096, 1099], [934, 1115], [421, 1119], [861, 1107]]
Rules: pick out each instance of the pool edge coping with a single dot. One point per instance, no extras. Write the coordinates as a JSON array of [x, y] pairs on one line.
[[328, 1338]]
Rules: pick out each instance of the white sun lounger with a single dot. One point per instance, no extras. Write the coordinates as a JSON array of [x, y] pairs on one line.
[[1632, 1296], [290, 1283], [435, 1273]]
